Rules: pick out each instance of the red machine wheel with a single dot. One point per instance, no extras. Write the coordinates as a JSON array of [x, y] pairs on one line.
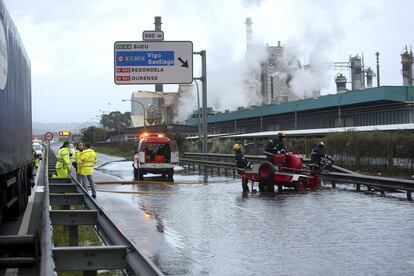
[[266, 171], [300, 185]]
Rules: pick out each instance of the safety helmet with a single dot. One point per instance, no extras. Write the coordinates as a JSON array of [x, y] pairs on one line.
[[321, 144], [281, 134], [236, 147]]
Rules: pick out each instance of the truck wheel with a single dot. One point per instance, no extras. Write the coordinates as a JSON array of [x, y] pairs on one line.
[[170, 174], [300, 185], [18, 207]]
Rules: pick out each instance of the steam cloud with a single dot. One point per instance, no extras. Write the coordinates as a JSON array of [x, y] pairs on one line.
[[234, 78]]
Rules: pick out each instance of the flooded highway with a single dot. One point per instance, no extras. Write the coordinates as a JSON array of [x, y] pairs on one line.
[[201, 225]]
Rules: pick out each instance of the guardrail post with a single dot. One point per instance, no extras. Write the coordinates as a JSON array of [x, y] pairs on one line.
[[409, 196], [358, 187], [234, 173], [382, 192], [333, 184], [369, 188], [199, 169]]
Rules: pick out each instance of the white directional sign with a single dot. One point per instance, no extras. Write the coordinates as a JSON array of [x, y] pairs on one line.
[[153, 35], [150, 62]]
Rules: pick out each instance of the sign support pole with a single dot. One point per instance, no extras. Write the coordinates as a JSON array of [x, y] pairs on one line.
[[203, 78]]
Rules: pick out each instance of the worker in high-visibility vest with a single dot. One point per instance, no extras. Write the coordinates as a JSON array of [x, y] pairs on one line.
[[86, 161], [63, 161], [35, 160], [75, 160]]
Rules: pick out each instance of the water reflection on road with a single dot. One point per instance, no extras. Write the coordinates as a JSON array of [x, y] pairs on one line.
[[209, 228]]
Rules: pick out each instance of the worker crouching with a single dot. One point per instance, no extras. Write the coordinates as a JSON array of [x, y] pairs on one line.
[[86, 161]]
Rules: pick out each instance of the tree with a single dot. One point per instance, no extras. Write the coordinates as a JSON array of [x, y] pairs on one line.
[[116, 120], [93, 134]]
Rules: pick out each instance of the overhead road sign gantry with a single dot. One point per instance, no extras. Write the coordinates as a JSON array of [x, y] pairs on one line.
[[153, 62]]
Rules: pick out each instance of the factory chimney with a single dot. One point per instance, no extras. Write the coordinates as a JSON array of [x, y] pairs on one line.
[[357, 73], [378, 71], [249, 32], [157, 23], [340, 81], [369, 74], [407, 67]]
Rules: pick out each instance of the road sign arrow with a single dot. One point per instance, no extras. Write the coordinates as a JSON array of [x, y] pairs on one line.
[[184, 64]]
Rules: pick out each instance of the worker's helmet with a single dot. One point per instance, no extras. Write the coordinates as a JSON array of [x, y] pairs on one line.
[[321, 144], [236, 147], [281, 134]]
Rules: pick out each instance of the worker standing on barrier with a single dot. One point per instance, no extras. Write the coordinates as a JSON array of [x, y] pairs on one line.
[[75, 160], [275, 145], [86, 161], [241, 162], [63, 161], [317, 156]]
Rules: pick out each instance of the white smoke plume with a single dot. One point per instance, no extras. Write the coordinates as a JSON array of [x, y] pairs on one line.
[[234, 75], [313, 74]]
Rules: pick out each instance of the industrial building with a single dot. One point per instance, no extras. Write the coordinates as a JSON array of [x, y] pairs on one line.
[[373, 106], [160, 107]]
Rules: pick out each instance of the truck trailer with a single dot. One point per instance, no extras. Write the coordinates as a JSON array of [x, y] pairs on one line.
[[16, 158]]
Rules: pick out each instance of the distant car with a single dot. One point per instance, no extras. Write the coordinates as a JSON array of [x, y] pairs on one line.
[[38, 149]]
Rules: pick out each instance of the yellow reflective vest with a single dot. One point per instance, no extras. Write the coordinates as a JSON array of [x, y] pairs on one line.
[[63, 160], [75, 158], [86, 161]]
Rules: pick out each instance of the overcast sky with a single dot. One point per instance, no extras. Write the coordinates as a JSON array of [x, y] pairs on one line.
[[70, 43]]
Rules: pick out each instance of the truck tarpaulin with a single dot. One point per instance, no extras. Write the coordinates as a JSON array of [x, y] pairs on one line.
[[15, 98]]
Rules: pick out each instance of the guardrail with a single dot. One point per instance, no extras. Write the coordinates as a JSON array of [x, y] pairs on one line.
[[253, 158], [118, 252], [336, 175]]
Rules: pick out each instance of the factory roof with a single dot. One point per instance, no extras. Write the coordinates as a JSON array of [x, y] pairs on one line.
[[323, 131], [358, 97]]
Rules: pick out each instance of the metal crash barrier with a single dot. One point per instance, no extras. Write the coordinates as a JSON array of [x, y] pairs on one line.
[[335, 175], [117, 253]]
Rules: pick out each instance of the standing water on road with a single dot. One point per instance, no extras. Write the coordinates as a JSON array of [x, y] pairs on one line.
[[198, 225]]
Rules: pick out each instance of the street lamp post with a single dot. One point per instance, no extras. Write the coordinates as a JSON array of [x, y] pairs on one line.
[[143, 107]]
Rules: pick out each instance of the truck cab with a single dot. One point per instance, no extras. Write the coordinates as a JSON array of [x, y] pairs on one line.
[[155, 154]]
